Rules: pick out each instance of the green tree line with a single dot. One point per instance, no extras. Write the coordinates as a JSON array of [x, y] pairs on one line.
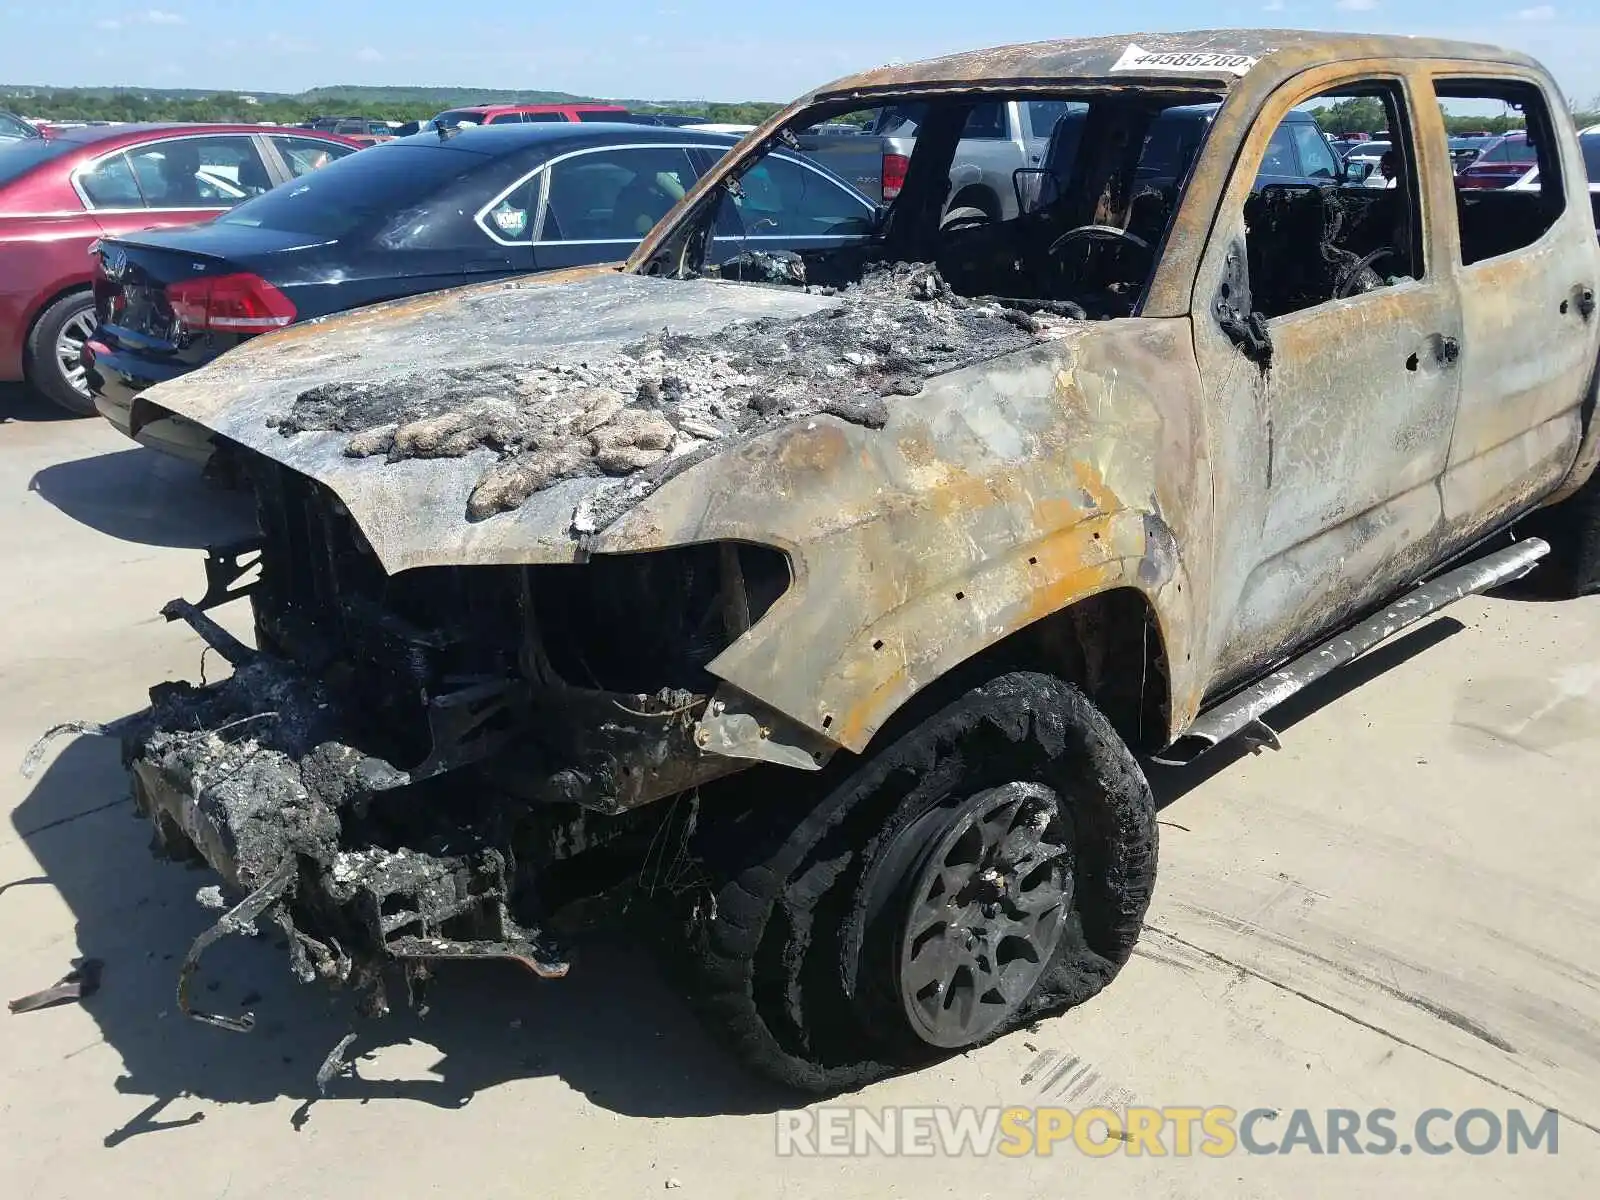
[[1367, 115], [1363, 115], [69, 105]]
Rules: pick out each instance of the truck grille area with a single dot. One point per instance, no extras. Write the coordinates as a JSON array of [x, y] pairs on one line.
[[392, 647], [385, 644]]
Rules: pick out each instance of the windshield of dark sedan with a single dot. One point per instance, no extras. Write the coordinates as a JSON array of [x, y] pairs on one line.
[[11, 127], [343, 196], [23, 155], [1591, 155]]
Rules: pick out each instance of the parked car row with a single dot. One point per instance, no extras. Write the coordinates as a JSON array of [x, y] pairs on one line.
[[1589, 140], [478, 195], [496, 113], [360, 129], [1003, 156], [59, 194], [419, 215], [1480, 161]]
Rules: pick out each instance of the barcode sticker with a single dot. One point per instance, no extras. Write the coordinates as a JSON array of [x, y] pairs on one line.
[[1184, 62]]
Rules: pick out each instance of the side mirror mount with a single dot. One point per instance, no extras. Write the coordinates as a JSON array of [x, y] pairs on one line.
[[1036, 189]]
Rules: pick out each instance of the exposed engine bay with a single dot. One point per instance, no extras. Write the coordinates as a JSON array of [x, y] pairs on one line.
[[404, 767]]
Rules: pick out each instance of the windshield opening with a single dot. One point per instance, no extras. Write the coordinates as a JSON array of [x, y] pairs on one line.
[[1052, 202]]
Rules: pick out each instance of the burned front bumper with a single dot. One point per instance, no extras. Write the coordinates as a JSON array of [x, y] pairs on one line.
[[359, 866]]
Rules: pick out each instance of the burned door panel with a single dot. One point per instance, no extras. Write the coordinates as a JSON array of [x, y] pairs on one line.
[[1529, 341], [1331, 395]]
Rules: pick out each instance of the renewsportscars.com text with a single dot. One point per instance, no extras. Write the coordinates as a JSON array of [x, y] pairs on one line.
[[1179, 1131]]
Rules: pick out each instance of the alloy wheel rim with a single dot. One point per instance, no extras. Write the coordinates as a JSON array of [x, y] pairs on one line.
[[69, 350], [987, 908]]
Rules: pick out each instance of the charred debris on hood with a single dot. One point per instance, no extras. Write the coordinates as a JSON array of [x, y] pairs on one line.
[[645, 411]]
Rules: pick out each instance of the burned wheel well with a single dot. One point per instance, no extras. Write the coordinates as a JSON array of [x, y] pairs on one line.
[[1109, 644], [977, 196]]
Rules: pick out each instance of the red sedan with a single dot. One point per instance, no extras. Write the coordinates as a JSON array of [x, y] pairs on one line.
[[59, 193], [1499, 164]]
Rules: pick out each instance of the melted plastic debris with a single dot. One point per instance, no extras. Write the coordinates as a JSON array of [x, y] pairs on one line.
[[644, 412], [260, 750]]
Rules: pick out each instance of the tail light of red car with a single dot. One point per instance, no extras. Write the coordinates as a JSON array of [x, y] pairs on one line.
[[894, 174], [240, 303]]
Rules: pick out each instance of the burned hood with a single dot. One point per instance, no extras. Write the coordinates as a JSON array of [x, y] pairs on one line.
[[516, 423], [439, 346]]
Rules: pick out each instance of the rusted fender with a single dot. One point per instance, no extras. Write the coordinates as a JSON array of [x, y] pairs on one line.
[[1003, 493]]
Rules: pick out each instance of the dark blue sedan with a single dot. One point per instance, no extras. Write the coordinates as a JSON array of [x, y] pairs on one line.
[[416, 215]]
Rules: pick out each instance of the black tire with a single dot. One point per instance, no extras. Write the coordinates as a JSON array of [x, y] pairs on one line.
[[976, 199], [1572, 528], [965, 217], [44, 368], [793, 949]]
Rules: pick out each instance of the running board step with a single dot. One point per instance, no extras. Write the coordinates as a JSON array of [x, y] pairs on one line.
[[1242, 711]]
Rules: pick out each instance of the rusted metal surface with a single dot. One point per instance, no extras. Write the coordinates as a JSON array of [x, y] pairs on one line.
[[998, 496], [1338, 486], [1249, 507], [413, 513]]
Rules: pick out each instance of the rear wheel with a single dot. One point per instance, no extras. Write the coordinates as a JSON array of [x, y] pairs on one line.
[[55, 352], [990, 865]]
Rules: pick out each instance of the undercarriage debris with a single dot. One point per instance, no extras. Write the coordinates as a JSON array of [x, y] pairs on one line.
[[357, 864]]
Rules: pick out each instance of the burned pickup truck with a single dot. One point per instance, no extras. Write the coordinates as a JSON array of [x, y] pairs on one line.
[[829, 596]]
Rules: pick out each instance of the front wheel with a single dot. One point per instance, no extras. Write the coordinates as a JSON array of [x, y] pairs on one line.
[[55, 353], [989, 866]]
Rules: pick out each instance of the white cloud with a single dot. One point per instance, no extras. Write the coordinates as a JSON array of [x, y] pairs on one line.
[[1539, 12], [1356, 5], [368, 55], [160, 16]]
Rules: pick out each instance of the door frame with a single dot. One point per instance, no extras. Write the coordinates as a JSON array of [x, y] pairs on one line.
[[1238, 434]]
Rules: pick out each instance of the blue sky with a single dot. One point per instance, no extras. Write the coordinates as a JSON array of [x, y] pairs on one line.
[[666, 49]]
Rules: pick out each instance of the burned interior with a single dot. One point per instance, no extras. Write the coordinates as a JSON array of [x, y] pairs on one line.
[[1091, 220]]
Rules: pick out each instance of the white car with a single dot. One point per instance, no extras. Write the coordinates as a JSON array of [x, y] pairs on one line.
[[1589, 139], [1365, 157]]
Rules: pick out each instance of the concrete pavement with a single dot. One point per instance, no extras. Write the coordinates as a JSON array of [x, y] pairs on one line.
[[1400, 910]]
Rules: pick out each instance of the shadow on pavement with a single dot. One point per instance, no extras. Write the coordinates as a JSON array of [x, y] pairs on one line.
[[612, 1030], [141, 495], [18, 402], [1171, 784]]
